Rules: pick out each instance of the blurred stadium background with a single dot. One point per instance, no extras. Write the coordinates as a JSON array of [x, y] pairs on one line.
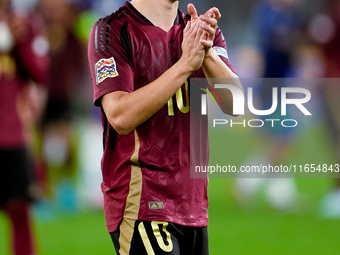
[[68, 216]]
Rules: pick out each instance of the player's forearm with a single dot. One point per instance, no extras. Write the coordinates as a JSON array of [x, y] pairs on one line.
[[216, 69], [133, 109]]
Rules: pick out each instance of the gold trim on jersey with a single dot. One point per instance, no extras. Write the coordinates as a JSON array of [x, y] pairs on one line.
[[135, 190]]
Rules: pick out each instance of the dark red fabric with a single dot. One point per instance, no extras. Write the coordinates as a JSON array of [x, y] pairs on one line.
[[142, 52], [22, 236]]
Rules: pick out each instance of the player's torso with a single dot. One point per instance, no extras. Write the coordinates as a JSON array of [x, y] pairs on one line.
[[165, 137], [162, 143], [152, 51]]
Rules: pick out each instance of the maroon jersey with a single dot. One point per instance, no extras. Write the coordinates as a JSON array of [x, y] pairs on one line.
[[27, 61], [146, 174]]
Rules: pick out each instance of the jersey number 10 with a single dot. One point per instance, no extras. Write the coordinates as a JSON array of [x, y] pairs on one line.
[[180, 101]]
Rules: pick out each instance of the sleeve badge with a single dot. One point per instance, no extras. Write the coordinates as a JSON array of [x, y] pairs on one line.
[[105, 68], [221, 51]]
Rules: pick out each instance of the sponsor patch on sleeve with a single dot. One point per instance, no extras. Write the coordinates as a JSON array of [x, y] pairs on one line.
[[221, 51], [105, 68]]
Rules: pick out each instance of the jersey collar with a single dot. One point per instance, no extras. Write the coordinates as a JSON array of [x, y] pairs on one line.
[[141, 18]]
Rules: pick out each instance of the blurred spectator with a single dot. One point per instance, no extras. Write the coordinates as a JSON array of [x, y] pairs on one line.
[[106, 7], [277, 27], [277, 23], [23, 68], [59, 138], [324, 28]]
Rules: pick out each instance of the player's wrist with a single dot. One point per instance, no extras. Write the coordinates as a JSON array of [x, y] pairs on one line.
[[209, 57], [185, 66], [209, 54]]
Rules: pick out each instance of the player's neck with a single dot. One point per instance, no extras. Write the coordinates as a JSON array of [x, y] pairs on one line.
[[161, 13]]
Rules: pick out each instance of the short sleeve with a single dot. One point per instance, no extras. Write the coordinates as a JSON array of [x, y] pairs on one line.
[[111, 70], [220, 47]]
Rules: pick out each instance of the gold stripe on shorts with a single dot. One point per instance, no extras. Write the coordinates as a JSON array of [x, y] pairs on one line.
[[126, 229]]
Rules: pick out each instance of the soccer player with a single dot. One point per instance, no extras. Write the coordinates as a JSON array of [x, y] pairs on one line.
[[23, 60], [141, 58]]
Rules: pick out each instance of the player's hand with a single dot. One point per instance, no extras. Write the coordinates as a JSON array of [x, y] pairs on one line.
[[193, 51], [213, 13], [209, 24]]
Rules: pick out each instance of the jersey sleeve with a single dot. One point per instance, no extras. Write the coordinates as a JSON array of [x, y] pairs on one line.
[[111, 70], [220, 47]]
